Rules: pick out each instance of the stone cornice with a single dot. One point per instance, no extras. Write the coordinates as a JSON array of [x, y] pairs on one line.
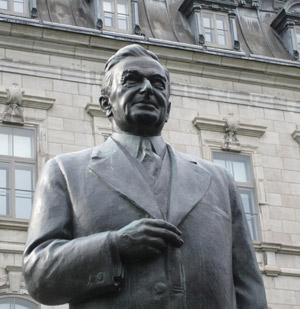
[[217, 125], [13, 224], [235, 97], [31, 101], [15, 248], [13, 268], [94, 110], [270, 266], [277, 248], [182, 58]]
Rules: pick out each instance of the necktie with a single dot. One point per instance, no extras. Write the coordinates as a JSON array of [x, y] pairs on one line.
[[149, 159]]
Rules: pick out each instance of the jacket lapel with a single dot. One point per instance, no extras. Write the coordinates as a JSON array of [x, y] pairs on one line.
[[189, 183], [120, 172]]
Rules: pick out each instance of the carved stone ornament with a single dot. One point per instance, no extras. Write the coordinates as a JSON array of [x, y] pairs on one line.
[[231, 141], [14, 110]]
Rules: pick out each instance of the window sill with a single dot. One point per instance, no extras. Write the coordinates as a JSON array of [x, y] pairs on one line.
[[9, 223], [17, 18]]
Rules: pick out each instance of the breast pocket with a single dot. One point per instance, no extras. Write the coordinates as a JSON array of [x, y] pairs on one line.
[[217, 210]]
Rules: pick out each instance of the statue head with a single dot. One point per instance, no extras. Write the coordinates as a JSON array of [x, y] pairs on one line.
[[135, 92]]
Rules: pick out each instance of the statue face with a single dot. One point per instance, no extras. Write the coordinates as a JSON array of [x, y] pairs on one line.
[[139, 96]]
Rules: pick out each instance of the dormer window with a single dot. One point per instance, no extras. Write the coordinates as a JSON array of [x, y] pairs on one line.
[[14, 7], [287, 25], [216, 29], [116, 15], [212, 22], [297, 30]]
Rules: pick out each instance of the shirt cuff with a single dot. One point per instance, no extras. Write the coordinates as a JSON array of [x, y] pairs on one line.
[[117, 267]]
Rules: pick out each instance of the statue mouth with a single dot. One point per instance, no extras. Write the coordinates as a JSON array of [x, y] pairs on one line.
[[146, 105]]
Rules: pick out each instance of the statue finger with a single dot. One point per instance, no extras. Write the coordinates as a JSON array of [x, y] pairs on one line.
[[166, 235], [164, 224], [155, 242]]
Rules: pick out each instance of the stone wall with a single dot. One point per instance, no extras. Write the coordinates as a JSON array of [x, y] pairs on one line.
[[61, 72]]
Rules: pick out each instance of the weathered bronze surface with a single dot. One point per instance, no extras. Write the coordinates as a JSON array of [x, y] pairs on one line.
[[133, 223]]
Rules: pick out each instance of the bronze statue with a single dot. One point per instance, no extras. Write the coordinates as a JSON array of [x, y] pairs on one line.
[[133, 223]]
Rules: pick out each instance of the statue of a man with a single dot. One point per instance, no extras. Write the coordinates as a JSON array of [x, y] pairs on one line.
[[133, 223]]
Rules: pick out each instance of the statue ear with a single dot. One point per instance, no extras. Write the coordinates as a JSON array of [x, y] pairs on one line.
[[168, 112], [105, 105]]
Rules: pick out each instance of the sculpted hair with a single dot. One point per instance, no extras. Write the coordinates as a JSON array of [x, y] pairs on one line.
[[133, 50]]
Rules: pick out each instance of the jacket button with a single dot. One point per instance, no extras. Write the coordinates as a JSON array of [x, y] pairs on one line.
[[99, 277], [160, 287]]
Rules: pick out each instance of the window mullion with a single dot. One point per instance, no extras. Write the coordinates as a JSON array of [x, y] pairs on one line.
[[13, 194], [116, 14], [245, 185], [215, 28]]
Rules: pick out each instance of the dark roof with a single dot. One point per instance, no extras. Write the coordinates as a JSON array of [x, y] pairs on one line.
[[164, 20]]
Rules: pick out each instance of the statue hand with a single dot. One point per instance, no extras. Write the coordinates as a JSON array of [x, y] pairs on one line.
[[146, 238]]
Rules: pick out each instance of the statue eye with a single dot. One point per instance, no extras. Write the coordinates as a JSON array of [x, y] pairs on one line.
[[158, 83], [132, 79]]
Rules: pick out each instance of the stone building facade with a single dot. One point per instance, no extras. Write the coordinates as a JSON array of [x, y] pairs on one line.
[[235, 94]]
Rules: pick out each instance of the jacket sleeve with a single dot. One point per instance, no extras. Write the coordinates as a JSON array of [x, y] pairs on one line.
[[248, 283], [58, 268]]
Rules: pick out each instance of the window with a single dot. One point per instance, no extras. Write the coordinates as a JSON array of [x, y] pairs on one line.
[[15, 7], [298, 38], [17, 172], [216, 29], [116, 15], [241, 169], [16, 303]]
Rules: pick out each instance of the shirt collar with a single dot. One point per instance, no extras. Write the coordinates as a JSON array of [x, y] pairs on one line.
[[132, 143]]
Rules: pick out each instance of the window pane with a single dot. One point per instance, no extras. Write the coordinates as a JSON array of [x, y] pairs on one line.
[[123, 22], [4, 202], [249, 206], [24, 177], [23, 143], [20, 307], [19, 6], [108, 6], [222, 40], [240, 171], [5, 141], [4, 175], [4, 185], [253, 225], [247, 195], [23, 204], [223, 160], [123, 6], [209, 35], [207, 20], [3, 6], [23, 303], [108, 20], [298, 37], [16, 303], [221, 22], [241, 168]]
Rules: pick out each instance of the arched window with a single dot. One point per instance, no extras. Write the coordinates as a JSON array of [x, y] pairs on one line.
[[16, 303]]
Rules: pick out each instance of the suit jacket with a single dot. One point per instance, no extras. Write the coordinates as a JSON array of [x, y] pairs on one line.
[[81, 198]]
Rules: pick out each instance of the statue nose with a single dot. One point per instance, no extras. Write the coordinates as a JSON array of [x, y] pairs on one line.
[[146, 87]]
